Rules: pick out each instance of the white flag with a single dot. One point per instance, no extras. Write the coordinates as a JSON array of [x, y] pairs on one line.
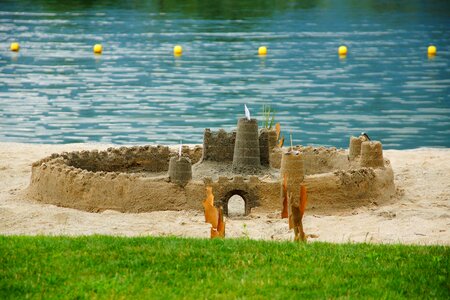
[[179, 150], [247, 112]]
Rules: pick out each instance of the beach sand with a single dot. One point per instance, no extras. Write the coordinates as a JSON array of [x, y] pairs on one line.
[[419, 213]]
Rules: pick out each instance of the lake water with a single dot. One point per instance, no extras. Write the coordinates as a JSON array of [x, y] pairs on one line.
[[55, 90]]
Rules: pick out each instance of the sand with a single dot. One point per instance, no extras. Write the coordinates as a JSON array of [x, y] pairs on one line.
[[419, 213]]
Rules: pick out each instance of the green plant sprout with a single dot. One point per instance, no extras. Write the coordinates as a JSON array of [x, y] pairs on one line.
[[268, 116]]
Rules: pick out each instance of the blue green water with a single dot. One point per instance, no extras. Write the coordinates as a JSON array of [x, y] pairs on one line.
[[55, 90]]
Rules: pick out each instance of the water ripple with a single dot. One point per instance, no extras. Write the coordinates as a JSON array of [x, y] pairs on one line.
[[55, 90]]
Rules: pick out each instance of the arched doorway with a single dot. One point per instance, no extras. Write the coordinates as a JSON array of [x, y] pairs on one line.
[[236, 206], [237, 201]]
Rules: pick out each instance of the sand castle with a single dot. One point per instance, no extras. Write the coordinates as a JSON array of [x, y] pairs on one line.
[[246, 162]]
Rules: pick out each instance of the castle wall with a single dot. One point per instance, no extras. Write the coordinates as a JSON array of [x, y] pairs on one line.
[[128, 159], [247, 188], [56, 180], [317, 160], [67, 186], [218, 146], [349, 189], [150, 159]]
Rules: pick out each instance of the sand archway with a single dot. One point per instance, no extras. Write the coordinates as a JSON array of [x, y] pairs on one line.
[[236, 206], [236, 197]]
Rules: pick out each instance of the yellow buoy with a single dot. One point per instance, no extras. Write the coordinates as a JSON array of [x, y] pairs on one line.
[[15, 47], [262, 50], [98, 48], [432, 50], [342, 50], [177, 50]]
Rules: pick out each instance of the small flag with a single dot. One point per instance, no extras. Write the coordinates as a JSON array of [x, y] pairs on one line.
[[247, 112]]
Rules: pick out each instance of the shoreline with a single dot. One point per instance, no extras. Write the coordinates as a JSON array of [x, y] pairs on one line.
[[418, 214]]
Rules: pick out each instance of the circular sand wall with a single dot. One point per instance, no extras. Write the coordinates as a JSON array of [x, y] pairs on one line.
[[136, 179]]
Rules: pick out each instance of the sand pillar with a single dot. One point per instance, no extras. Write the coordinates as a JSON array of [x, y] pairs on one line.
[[264, 146], [274, 151], [246, 147], [354, 150], [180, 170], [272, 139], [275, 157], [267, 142], [292, 167], [372, 154]]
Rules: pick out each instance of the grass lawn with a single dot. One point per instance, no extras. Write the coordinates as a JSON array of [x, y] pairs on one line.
[[165, 268]]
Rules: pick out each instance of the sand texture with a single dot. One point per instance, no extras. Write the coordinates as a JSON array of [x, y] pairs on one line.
[[418, 214]]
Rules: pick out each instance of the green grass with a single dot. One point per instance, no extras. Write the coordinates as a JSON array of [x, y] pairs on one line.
[[166, 268]]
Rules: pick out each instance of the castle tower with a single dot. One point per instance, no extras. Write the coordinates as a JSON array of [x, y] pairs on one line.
[[267, 142], [180, 170], [246, 147], [272, 139], [275, 152], [372, 154], [354, 150], [292, 167]]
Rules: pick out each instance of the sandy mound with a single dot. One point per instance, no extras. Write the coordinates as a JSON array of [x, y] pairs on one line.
[[419, 214]]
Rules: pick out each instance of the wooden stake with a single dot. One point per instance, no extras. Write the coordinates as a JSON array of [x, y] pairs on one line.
[[296, 217], [211, 213], [303, 200], [278, 130], [221, 224]]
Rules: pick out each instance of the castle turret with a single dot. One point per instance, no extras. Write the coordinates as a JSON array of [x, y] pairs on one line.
[[354, 150], [246, 148], [180, 170], [292, 168], [372, 154], [264, 147]]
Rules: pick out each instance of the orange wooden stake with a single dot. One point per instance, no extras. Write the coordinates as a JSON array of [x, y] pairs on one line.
[[303, 200], [214, 233], [292, 214], [279, 138], [298, 229], [281, 142], [296, 214], [211, 213], [221, 224], [278, 130]]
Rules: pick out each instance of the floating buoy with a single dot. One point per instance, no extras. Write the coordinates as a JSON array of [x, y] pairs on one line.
[[177, 50], [342, 51], [262, 50], [15, 47], [432, 50], [98, 48]]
